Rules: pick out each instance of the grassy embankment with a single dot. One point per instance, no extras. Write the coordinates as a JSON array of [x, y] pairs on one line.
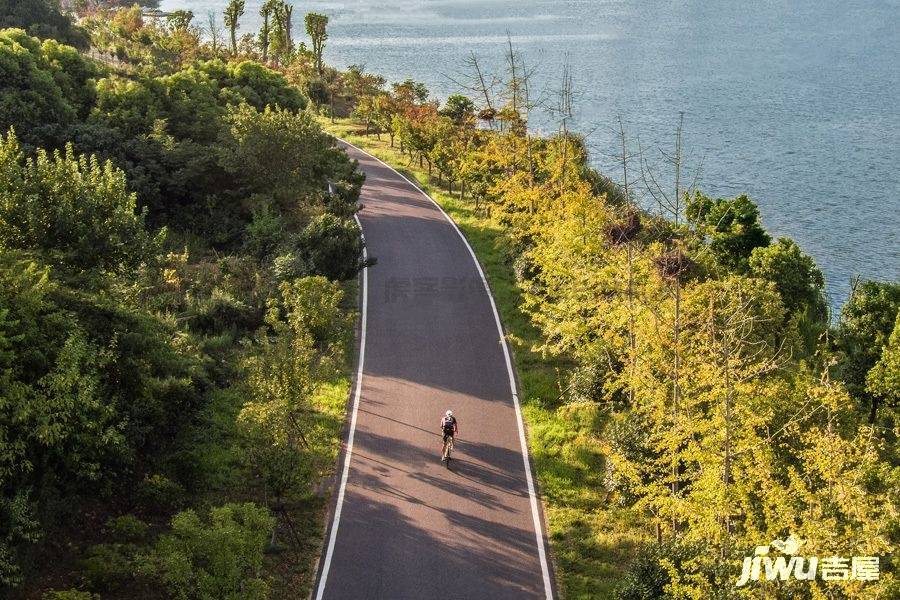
[[295, 578], [591, 540], [293, 573]]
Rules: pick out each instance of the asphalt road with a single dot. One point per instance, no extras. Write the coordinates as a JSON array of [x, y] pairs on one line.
[[405, 526]]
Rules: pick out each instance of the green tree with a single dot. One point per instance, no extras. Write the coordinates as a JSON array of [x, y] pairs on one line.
[[47, 88], [867, 322], [283, 155], [332, 247], [732, 342], [266, 11], [300, 349], [459, 108], [409, 92], [361, 84], [282, 44], [883, 380], [165, 132], [732, 227], [841, 493], [233, 12], [257, 85], [317, 30], [43, 19], [78, 213], [214, 558], [796, 276], [180, 20], [384, 110]]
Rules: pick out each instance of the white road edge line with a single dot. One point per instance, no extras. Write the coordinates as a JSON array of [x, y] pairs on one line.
[[532, 494], [326, 565]]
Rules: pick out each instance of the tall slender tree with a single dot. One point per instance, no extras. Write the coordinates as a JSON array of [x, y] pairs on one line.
[[266, 11], [317, 29], [214, 30], [233, 13], [281, 43], [287, 26]]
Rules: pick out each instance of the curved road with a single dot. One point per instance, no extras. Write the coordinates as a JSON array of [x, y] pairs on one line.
[[404, 525]]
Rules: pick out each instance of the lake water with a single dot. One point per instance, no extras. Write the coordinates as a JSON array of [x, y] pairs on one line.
[[794, 102]]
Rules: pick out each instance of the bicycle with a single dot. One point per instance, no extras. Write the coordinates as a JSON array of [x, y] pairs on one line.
[[449, 428], [447, 450]]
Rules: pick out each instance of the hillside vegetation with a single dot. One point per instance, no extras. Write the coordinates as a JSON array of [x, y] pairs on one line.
[[178, 256]]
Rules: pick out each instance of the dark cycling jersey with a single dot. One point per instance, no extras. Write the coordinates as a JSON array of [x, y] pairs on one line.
[[448, 424]]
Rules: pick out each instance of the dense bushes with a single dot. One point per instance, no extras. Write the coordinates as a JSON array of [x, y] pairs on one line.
[[89, 387], [139, 371], [331, 247], [77, 213], [214, 558], [47, 88], [195, 145], [42, 19]]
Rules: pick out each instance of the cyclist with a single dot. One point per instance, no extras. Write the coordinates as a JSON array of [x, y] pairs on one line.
[[449, 428]]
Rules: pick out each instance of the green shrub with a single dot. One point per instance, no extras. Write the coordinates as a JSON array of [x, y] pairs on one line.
[[159, 494], [264, 232], [108, 566], [18, 527], [647, 578], [77, 212], [289, 266], [219, 558], [344, 202], [586, 382], [331, 247], [222, 312], [46, 86], [127, 528]]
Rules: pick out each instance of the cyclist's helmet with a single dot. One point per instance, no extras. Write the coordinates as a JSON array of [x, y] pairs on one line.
[[449, 413]]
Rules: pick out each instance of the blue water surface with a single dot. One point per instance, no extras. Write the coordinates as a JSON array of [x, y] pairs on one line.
[[794, 102]]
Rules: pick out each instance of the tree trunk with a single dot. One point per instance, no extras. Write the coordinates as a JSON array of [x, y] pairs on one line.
[[873, 412], [632, 342], [676, 390], [264, 38], [726, 470]]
